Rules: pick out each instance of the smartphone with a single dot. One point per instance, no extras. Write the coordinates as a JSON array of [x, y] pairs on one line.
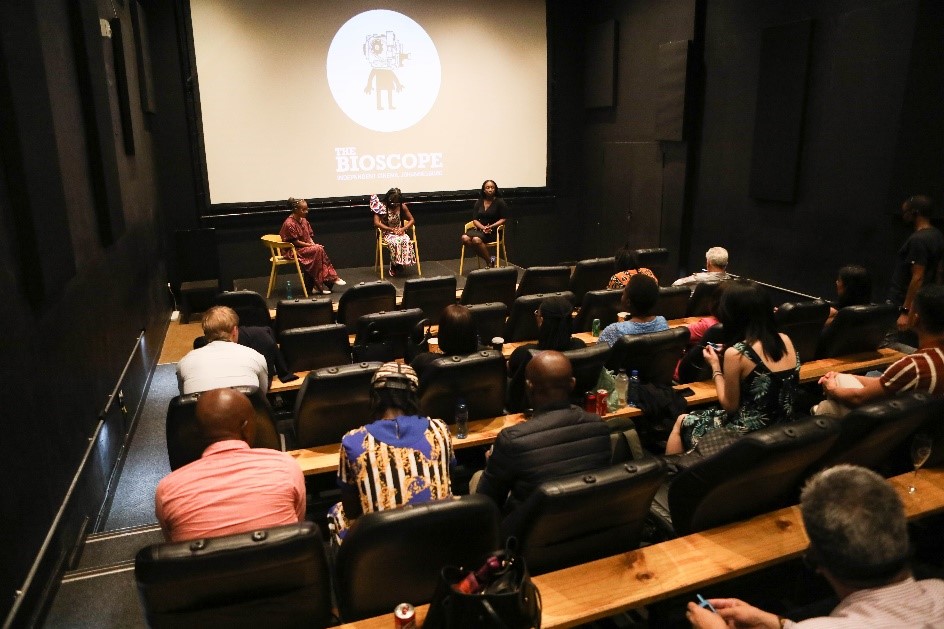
[[718, 347]]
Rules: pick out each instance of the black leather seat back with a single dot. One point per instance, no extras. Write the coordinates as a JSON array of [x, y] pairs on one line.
[[333, 401], [389, 557], [478, 378], [591, 274], [699, 302], [489, 319], [249, 305], [522, 325], [761, 471], [672, 302], [803, 322], [586, 364], [303, 313], [275, 577], [384, 336], [430, 294], [654, 355], [488, 285], [365, 298], [582, 517], [598, 304], [316, 347], [543, 279], [184, 442], [857, 329], [694, 367], [654, 259], [871, 434]]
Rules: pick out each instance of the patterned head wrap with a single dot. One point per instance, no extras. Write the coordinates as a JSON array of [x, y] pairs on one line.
[[393, 375], [377, 206]]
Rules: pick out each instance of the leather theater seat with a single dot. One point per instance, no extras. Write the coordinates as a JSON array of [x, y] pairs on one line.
[[591, 274], [303, 313], [654, 355], [489, 285], [276, 577], [803, 322], [543, 279], [316, 347], [383, 336], [393, 556], [365, 298], [598, 304], [759, 472], [672, 302], [430, 294], [582, 517], [857, 329], [521, 324], [478, 378], [333, 401], [249, 305]]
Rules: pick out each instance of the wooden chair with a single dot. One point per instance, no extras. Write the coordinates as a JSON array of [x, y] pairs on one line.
[[379, 261], [499, 244], [277, 251]]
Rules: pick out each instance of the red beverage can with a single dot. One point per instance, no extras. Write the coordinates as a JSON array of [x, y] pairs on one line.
[[404, 616], [590, 404], [602, 398]]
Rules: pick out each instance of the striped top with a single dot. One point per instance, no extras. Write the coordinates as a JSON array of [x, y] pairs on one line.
[[921, 372], [395, 462]]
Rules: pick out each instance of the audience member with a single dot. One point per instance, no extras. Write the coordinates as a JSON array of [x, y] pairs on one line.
[[489, 213], [922, 371], [716, 261], [555, 331], [627, 265], [761, 373], [222, 362], [639, 298], [457, 336], [859, 543], [919, 261], [692, 362], [393, 218], [232, 488], [853, 288], [559, 439], [297, 230], [400, 458]]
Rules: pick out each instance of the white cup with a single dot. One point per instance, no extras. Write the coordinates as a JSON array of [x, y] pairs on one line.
[[434, 345], [622, 316]]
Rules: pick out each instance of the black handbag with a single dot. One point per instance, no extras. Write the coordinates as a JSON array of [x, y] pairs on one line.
[[510, 601]]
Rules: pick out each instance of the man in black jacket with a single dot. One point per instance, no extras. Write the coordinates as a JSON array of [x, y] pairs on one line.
[[560, 438]]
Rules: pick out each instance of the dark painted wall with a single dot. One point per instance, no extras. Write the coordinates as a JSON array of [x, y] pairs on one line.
[[872, 135], [74, 300]]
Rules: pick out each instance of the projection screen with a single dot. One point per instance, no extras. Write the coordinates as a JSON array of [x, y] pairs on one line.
[[318, 99]]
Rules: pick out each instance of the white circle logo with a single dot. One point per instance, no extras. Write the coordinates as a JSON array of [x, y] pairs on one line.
[[383, 70]]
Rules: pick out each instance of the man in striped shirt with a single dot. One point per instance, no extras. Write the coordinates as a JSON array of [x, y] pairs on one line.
[[921, 372]]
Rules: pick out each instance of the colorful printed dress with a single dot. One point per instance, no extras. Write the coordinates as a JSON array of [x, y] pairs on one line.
[[312, 258], [766, 398], [400, 245], [394, 462]]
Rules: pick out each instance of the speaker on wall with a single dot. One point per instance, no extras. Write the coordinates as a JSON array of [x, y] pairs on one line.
[[778, 118], [600, 46], [670, 96]]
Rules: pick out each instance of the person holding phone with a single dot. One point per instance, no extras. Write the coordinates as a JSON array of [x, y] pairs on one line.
[[758, 384]]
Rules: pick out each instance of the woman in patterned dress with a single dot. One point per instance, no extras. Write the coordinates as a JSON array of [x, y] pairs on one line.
[[401, 458], [297, 230], [759, 382], [393, 218]]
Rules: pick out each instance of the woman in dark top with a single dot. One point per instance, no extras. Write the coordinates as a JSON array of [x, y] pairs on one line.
[[854, 288], [555, 327], [489, 212], [457, 337], [759, 383]]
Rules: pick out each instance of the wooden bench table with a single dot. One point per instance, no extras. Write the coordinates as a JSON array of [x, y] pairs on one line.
[[616, 584]]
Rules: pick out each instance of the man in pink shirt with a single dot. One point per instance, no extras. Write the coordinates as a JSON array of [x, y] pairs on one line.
[[232, 488]]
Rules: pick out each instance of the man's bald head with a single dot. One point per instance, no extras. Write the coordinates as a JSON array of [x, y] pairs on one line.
[[549, 379], [224, 414]]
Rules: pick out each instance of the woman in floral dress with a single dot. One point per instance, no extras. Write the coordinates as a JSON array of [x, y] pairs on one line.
[[393, 218], [758, 384]]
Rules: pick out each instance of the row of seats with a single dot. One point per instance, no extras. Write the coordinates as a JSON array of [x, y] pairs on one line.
[[394, 556]]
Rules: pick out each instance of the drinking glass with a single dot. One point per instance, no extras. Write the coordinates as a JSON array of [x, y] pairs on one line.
[[920, 451]]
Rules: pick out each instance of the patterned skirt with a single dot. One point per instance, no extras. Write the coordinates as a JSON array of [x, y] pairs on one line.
[[401, 249]]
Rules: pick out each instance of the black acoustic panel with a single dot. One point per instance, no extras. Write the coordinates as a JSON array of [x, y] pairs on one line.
[[630, 195], [197, 257], [670, 97], [778, 118], [600, 48]]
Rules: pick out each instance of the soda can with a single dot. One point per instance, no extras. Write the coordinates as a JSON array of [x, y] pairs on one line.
[[595, 330], [404, 616], [590, 405], [602, 402]]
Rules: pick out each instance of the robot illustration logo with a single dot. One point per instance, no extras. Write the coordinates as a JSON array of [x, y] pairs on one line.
[[383, 70]]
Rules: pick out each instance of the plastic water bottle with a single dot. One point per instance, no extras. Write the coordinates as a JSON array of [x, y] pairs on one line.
[[288, 289], [462, 419], [633, 395], [622, 384]]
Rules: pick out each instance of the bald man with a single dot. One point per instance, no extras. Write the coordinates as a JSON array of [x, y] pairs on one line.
[[558, 440], [232, 488]]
